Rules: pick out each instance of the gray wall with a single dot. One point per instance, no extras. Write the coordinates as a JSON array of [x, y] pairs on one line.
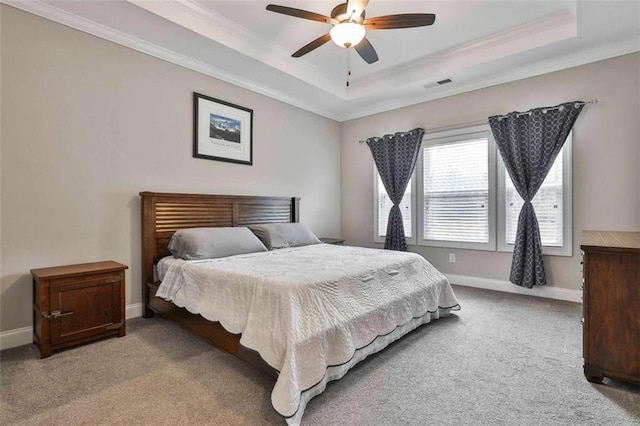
[[606, 155], [88, 124]]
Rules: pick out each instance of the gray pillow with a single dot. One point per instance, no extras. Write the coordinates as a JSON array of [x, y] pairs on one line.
[[211, 243], [282, 235]]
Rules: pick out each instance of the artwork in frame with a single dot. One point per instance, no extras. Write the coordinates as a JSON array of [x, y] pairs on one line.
[[222, 131]]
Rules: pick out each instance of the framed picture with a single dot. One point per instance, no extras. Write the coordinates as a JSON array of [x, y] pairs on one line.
[[222, 131]]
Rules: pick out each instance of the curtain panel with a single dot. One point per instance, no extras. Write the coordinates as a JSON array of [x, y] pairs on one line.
[[395, 157], [529, 143]]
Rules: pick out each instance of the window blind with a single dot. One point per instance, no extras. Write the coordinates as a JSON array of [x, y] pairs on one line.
[[384, 207], [456, 191], [547, 204]]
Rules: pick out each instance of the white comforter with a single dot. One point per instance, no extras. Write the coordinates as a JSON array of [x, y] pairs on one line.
[[311, 312]]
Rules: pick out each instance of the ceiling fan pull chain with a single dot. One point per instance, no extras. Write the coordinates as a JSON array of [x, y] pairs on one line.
[[348, 66]]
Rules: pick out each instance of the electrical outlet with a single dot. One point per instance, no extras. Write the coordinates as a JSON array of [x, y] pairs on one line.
[[452, 258]]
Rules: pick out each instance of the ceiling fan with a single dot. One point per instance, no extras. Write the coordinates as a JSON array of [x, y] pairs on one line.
[[350, 26]]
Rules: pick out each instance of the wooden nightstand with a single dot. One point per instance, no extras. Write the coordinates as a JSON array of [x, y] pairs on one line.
[[75, 304], [334, 241]]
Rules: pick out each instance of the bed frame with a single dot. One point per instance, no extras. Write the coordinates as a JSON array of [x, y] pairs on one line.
[[165, 213]]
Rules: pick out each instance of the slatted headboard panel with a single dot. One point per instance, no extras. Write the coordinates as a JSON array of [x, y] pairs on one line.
[[173, 215], [165, 213]]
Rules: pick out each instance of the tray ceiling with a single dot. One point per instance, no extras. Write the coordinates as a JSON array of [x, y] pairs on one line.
[[474, 43]]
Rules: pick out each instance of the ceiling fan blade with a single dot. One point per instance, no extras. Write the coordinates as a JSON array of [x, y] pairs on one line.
[[366, 51], [299, 13], [407, 20], [356, 6], [313, 45]]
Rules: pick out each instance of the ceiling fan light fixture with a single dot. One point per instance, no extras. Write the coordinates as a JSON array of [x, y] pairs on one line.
[[347, 34]]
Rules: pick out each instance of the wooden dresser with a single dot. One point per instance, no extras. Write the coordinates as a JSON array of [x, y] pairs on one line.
[[75, 304], [611, 305]]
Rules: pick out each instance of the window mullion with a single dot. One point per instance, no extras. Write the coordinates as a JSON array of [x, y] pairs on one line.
[[457, 200]]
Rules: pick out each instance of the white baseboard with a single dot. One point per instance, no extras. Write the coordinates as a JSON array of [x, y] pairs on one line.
[[16, 337], [24, 336], [133, 310], [547, 291]]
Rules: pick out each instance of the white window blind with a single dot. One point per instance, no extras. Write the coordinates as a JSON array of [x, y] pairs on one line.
[[547, 203], [384, 207], [456, 191]]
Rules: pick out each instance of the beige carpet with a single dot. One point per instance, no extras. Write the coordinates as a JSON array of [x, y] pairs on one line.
[[503, 359]]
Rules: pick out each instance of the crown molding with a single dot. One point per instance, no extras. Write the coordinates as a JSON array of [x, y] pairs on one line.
[[370, 107], [50, 12], [540, 32], [600, 53], [204, 21]]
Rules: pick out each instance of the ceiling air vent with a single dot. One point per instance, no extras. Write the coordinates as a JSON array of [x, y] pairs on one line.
[[437, 83]]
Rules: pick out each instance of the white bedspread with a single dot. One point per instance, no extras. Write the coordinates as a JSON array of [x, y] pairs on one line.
[[309, 310]]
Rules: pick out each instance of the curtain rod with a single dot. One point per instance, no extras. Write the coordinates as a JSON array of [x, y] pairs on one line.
[[544, 110], [481, 122], [450, 127]]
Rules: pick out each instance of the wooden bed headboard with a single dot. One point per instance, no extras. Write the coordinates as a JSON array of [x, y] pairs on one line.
[[165, 213]]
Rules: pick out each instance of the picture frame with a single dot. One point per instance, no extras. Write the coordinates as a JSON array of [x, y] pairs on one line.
[[222, 131]]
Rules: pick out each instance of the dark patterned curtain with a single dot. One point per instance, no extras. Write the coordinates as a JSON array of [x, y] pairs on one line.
[[529, 143], [395, 157]]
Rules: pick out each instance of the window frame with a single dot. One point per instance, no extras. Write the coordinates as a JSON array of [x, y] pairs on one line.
[[381, 238], [497, 195], [567, 206], [449, 136]]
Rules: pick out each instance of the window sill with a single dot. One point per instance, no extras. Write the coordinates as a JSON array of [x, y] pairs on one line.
[[490, 246], [555, 251]]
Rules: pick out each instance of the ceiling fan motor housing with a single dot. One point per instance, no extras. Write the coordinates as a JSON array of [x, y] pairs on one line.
[[339, 13]]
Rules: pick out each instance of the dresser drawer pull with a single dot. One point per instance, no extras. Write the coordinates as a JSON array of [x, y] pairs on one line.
[[115, 279], [56, 314]]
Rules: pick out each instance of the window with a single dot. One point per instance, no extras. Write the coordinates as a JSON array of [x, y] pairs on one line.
[[465, 199], [457, 203], [552, 204], [383, 206]]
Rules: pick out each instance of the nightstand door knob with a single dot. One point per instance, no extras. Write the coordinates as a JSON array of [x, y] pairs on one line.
[[56, 314]]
